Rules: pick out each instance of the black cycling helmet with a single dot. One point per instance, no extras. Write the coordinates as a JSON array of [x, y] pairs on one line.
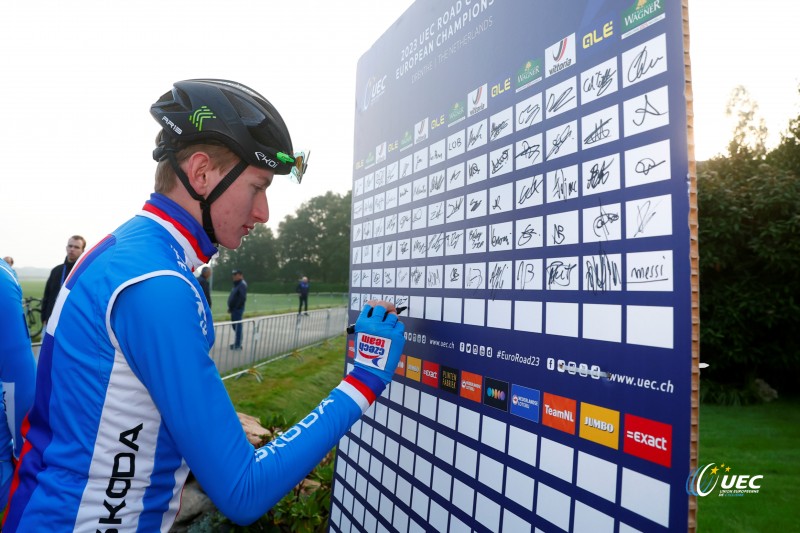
[[204, 110], [228, 112]]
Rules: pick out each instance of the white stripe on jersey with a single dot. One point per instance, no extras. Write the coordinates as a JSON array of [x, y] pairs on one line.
[[123, 457]]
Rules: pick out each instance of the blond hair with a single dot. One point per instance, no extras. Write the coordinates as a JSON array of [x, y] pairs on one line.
[[221, 158]]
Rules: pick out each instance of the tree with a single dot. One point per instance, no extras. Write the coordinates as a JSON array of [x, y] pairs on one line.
[[749, 236], [315, 242], [256, 257], [750, 132]]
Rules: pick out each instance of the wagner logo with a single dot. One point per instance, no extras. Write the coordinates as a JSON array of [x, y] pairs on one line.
[[200, 115], [374, 90], [640, 15], [559, 56], [477, 100], [457, 113], [648, 440], [406, 141], [529, 74], [704, 479], [372, 350]]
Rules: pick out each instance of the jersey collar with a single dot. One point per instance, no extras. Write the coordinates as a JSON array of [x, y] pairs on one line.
[[182, 226]]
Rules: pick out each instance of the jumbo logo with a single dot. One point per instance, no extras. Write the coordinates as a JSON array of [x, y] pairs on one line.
[[371, 350]]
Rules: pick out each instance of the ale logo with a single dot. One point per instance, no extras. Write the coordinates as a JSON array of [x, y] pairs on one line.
[[703, 480]]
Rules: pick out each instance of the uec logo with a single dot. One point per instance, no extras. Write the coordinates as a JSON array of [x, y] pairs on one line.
[[702, 481]]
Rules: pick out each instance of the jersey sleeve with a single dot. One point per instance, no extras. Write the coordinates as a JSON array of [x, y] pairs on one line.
[[17, 367], [172, 361]]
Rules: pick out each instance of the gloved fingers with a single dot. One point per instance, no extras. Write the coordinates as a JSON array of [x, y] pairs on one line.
[[378, 313], [390, 319], [366, 312]]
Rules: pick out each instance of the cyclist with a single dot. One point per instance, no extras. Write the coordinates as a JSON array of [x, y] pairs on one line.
[[17, 373], [128, 400]]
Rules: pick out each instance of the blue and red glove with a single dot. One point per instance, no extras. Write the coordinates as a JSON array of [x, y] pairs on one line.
[[379, 342], [378, 346]]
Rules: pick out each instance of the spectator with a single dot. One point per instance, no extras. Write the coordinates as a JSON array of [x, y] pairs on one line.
[[302, 293], [129, 400], [75, 246], [17, 376], [10, 260], [205, 283], [236, 301]]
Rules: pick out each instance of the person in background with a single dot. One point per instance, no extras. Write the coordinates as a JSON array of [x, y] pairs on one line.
[[205, 283], [75, 246], [302, 293], [236, 301], [17, 375], [10, 260], [128, 401]]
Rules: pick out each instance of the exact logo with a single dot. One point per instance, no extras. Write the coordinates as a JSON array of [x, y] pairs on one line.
[[703, 480], [372, 350], [648, 439]]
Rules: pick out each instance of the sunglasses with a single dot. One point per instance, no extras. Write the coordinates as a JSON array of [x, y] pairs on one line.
[[300, 160]]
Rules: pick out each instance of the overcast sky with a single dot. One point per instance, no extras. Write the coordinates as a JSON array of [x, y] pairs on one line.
[[78, 79]]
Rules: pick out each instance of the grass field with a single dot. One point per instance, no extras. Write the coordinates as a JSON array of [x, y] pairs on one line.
[[257, 304], [760, 439]]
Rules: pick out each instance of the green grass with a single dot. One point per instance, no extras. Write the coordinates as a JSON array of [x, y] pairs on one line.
[[292, 386], [753, 440]]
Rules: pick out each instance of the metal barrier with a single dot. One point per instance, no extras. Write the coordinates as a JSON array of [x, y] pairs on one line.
[[267, 338]]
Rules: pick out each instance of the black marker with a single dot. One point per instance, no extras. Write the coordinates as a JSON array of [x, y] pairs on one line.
[[352, 327]]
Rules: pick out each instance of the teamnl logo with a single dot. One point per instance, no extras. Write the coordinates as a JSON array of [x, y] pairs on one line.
[[372, 350], [703, 480]]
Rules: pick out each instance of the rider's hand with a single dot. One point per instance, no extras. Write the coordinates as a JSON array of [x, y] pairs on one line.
[[379, 340]]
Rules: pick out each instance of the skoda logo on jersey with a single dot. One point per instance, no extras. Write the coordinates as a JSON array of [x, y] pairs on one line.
[[372, 350], [270, 162]]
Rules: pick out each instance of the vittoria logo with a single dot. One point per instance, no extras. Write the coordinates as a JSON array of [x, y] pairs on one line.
[[477, 100], [559, 56], [421, 131], [372, 350]]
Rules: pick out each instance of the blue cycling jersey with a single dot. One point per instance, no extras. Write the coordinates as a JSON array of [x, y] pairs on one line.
[[128, 400], [17, 374]]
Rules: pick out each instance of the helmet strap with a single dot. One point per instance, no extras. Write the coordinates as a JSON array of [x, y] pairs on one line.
[[205, 203]]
